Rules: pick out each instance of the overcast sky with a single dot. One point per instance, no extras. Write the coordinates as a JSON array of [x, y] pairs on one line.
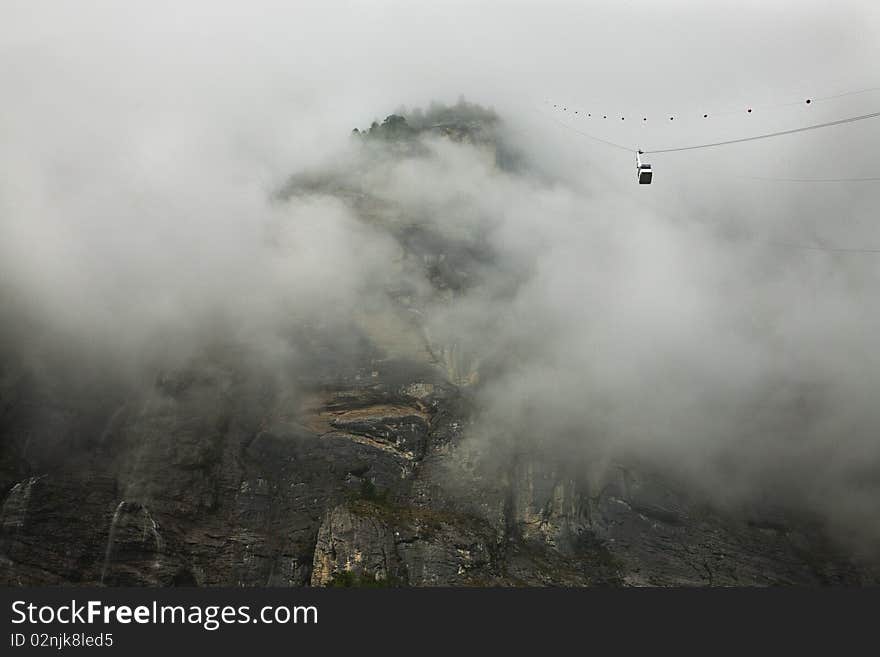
[[253, 70], [253, 62]]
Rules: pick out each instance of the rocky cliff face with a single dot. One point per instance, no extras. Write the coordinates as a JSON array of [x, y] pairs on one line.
[[369, 484], [359, 470], [215, 481]]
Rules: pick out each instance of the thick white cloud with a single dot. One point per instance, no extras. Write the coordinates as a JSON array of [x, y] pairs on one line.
[[142, 141]]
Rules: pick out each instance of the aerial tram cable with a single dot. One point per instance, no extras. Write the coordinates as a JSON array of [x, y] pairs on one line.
[[749, 109], [806, 100], [764, 136], [644, 175], [589, 136], [740, 140], [644, 169]]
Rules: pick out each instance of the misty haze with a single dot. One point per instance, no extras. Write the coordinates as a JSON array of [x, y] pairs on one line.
[[368, 294]]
